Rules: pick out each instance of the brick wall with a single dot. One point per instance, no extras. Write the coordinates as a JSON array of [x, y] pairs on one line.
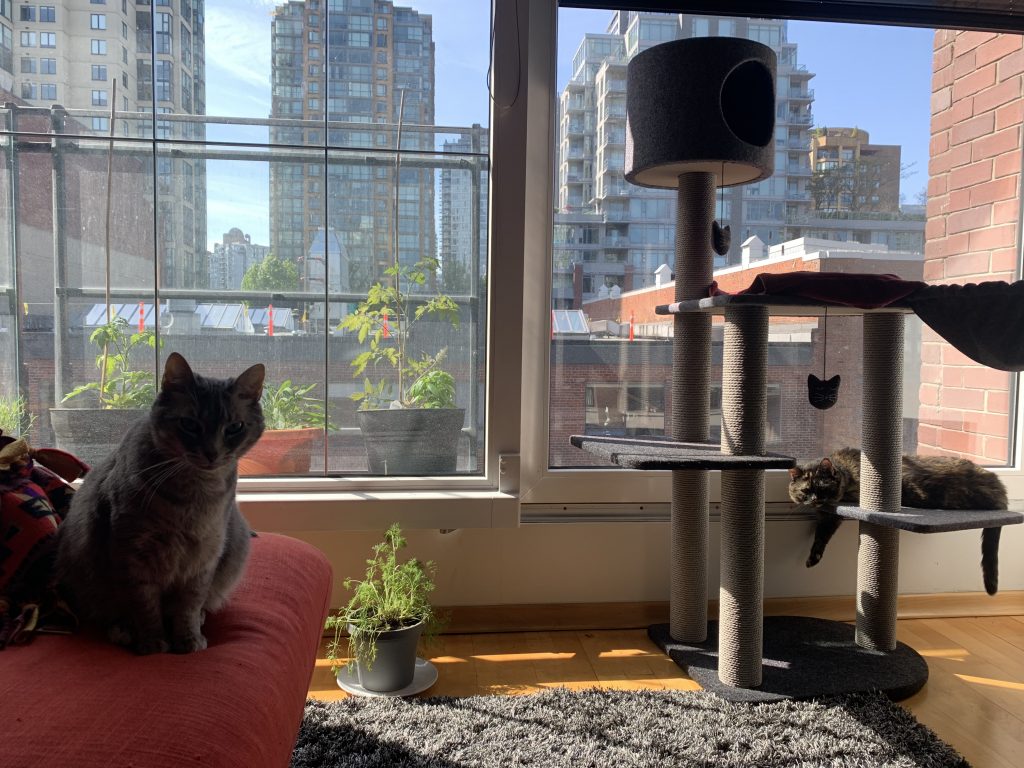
[[972, 229]]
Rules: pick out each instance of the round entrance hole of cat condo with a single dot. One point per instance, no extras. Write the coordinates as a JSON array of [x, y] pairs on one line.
[[700, 105]]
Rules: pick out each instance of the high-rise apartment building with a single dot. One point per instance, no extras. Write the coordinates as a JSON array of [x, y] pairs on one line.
[[231, 259], [72, 52], [609, 232], [463, 252], [340, 71]]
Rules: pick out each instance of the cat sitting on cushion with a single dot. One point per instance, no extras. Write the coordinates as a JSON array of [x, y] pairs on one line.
[[928, 482], [154, 540]]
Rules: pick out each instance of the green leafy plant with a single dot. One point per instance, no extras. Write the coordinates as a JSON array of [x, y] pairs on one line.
[[120, 386], [384, 321], [15, 418], [288, 406], [392, 595]]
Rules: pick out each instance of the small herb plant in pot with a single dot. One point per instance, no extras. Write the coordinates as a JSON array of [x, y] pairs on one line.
[[388, 612]]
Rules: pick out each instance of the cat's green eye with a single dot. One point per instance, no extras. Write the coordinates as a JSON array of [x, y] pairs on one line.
[[234, 428], [189, 426]]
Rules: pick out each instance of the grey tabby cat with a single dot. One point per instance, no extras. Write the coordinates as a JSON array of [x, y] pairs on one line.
[[154, 540], [929, 482]]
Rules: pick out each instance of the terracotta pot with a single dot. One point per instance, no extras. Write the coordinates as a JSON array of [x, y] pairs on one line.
[[281, 452]]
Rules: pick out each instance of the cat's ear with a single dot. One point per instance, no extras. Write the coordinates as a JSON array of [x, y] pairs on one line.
[[794, 473], [177, 374], [249, 385]]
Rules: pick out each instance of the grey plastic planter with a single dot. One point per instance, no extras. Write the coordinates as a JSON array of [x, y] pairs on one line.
[[92, 433], [395, 664], [411, 441]]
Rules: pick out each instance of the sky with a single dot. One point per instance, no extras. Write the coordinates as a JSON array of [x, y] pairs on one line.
[[870, 77]]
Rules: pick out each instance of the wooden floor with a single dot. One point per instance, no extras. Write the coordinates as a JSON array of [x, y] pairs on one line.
[[974, 698]]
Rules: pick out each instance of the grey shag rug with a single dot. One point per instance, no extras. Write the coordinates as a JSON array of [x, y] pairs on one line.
[[620, 729]]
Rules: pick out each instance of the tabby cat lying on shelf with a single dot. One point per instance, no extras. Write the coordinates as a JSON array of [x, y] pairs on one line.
[[929, 482]]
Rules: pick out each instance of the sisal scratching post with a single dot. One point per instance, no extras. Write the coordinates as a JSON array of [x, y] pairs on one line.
[[699, 111], [880, 480], [744, 410], [691, 408]]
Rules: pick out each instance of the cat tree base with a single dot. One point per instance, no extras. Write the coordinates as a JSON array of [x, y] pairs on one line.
[[803, 658]]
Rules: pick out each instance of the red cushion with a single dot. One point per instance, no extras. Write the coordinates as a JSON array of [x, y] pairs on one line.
[[80, 701]]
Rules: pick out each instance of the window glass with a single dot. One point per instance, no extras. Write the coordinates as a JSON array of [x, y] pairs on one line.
[[264, 186], [875, 172]]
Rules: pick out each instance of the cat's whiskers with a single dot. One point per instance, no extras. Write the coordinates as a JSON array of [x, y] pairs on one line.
[[171, 468]]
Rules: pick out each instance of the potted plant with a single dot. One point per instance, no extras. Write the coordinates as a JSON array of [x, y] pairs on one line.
[[294, 422], [384, 619], [407, 417], [122, 394]]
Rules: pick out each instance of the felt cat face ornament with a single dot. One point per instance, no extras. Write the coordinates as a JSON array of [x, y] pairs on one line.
[[823, 393]]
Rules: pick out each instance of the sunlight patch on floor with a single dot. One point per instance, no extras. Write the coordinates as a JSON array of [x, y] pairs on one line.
[[627, 653], [502, 657], [952, 654], [992, 682]]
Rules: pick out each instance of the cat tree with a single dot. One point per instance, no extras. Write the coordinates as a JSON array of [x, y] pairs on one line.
[[700, 113]]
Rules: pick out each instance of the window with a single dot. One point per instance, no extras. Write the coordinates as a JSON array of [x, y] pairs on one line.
[[98, 47], [28, 39], [99, 98], [47, 13], [97, 21], [28, 65], [28, 90], [99, 72], [48, 66], [48, 91], [777, 218], [27, 13], [47, 39]]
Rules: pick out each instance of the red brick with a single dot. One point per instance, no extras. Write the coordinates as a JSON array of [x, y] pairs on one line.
[[927, 434], [997, 402], [988, 424], [968, 175], [929, 394], [941, 100], [999, 94], [991, 238], [981, 377], [1011, 65], [964, 63], [963, 109], [1005, 212], [935, 227], [1010, 114], [934, 269], [997, 449], [1004, 188], [931, 374], [972, 218], [965, 399], [1007, 164], [997, 48], [942, 121], [973, 80], [952, 376], [937, 185], [952, 356], [937, 205], [931, 351], [1004, 260], [939, 143], [947, 246], [942, 57], [968, 41], [998, 143], [975, 127], [958, 442]]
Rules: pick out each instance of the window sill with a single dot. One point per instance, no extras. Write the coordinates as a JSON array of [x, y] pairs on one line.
[[374, 510]]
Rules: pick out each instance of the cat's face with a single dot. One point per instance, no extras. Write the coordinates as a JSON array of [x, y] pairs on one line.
[[816, 485], [208, 422]]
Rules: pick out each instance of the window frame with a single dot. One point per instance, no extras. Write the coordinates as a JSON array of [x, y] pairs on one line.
[[608, 495]]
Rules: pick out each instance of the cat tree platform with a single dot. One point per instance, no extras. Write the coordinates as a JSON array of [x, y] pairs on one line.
[[918, 520], [664, 453], [779, 306]]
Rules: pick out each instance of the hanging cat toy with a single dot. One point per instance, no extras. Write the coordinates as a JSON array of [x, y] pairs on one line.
[[823, 393]]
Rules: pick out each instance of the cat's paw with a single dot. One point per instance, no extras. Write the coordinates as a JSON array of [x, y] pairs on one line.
[[151, 645], [188, 643], [118, 635], [813, 559]]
